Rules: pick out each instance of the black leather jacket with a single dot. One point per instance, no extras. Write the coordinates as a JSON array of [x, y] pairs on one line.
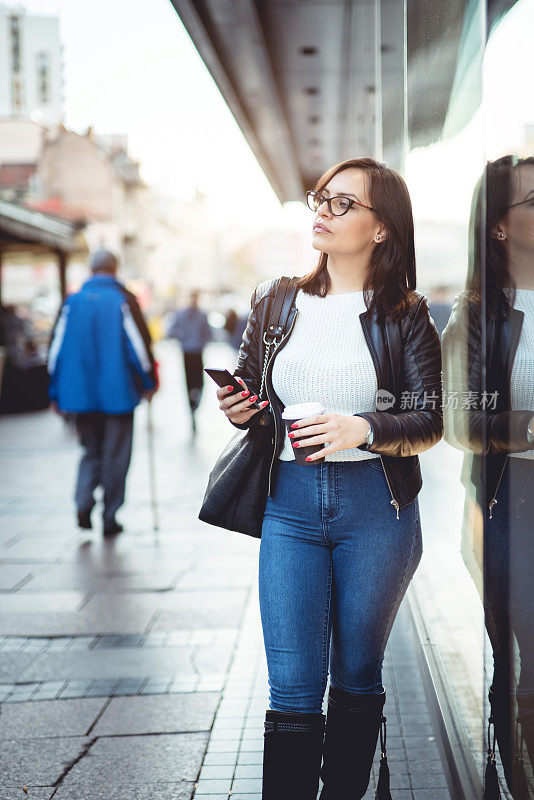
[[488, 427], [407, 359]]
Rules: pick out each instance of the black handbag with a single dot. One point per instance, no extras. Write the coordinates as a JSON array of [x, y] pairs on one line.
[[236, 494]]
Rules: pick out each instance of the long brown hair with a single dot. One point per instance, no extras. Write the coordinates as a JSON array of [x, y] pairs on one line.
[[488, 273], [391, 273]]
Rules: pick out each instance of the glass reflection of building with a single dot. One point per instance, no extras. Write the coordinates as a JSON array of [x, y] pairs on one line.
[[488, 349]]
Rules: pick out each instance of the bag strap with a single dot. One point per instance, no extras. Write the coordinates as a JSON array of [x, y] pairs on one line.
[[276, 327], [279, 306]]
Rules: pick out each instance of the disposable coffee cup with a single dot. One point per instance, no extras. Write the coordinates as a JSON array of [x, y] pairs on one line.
[[295, 413]]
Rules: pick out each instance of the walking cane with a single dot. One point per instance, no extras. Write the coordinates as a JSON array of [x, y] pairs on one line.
[[153, 500]]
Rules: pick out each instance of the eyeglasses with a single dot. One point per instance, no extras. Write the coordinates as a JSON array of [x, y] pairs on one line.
[[337, 205], [521, 202]]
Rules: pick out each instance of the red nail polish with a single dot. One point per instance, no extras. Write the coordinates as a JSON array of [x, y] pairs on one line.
[[254, 397], [308, 458], [295, 425], [244, 394], [290, 435], [229, 388], [295, 444]]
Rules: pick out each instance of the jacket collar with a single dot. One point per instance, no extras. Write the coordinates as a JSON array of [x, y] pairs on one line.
[[101, 278]]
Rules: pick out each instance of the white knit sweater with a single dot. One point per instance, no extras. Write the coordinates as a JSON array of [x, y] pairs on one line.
[[522, 380], [326, 360]]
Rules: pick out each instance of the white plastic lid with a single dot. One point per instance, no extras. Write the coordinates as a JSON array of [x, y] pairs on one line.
[[301, 410]]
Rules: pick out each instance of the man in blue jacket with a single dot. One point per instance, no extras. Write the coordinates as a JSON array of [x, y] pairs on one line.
[[100, 365]]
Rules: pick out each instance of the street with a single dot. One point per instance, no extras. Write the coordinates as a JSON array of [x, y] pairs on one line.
[[134, 668]]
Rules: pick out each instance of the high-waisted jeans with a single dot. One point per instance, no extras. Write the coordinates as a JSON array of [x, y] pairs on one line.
[[334, 565]]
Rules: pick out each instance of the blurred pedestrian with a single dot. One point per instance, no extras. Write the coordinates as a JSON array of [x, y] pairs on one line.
[[191, 328], [100, 365], [440, 306], [235, 326]]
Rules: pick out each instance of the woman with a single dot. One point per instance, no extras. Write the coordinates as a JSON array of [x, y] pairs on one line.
[[494, 363], [341, 539]]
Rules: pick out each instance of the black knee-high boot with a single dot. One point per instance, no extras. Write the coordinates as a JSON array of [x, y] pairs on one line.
[[525, 718], [292, 748], [505, 732], [352, 726]]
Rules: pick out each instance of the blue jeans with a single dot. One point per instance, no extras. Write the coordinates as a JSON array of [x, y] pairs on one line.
[[334, 565]]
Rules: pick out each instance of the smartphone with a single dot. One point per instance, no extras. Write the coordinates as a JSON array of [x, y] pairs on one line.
[[224, 378]]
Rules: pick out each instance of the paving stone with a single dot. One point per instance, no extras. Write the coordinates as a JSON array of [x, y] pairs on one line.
[[32, 793], [13, 574], [48, 718], [252, 757], [217, 771], [133, 662], [38, 762], [249, 771], [67, 576], [158, 714], [13, 665], [240, 796], [246, 785], [75, 689], [35, 548], [209, 796], [213, 758], [118, 791], [26, 603], [430, 794], [73, 623], [214, 786], [213, 609], [132, 766], [428, 781]]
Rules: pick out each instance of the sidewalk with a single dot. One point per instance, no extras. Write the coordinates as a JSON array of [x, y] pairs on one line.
[[135, 668]]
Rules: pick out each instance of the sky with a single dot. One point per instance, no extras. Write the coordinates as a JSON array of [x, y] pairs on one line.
[[130, 71]]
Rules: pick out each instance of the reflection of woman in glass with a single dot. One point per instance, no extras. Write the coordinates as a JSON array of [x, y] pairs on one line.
[[491, 336], [341, 539]]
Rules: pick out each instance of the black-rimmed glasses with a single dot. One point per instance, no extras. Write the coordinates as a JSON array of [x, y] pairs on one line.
[[522, 203], [337, 205]]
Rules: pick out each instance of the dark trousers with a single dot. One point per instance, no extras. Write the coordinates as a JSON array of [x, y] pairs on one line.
[[508, 571], [194, 378], [107, 443]]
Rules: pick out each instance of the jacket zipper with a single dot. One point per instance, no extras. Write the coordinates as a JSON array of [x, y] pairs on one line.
[[393, 502], [270, 401], [493, 501]]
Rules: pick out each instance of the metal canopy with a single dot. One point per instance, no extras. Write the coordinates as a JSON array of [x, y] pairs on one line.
[[312, 82], [20, 225]]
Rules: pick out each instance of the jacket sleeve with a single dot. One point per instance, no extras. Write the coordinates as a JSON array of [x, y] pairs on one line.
[[248, 363], [138, 342], [54, 350], [407, 433], [206, 333], [176, 327], [475, 426]]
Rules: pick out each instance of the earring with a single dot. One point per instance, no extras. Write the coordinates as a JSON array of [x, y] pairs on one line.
[[501, 235], [377, 238]]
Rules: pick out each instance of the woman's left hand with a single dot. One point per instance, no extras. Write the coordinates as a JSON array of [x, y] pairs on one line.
[[339, 430]]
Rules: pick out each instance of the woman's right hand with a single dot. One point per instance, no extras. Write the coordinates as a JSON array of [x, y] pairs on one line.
[[237, 406]]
